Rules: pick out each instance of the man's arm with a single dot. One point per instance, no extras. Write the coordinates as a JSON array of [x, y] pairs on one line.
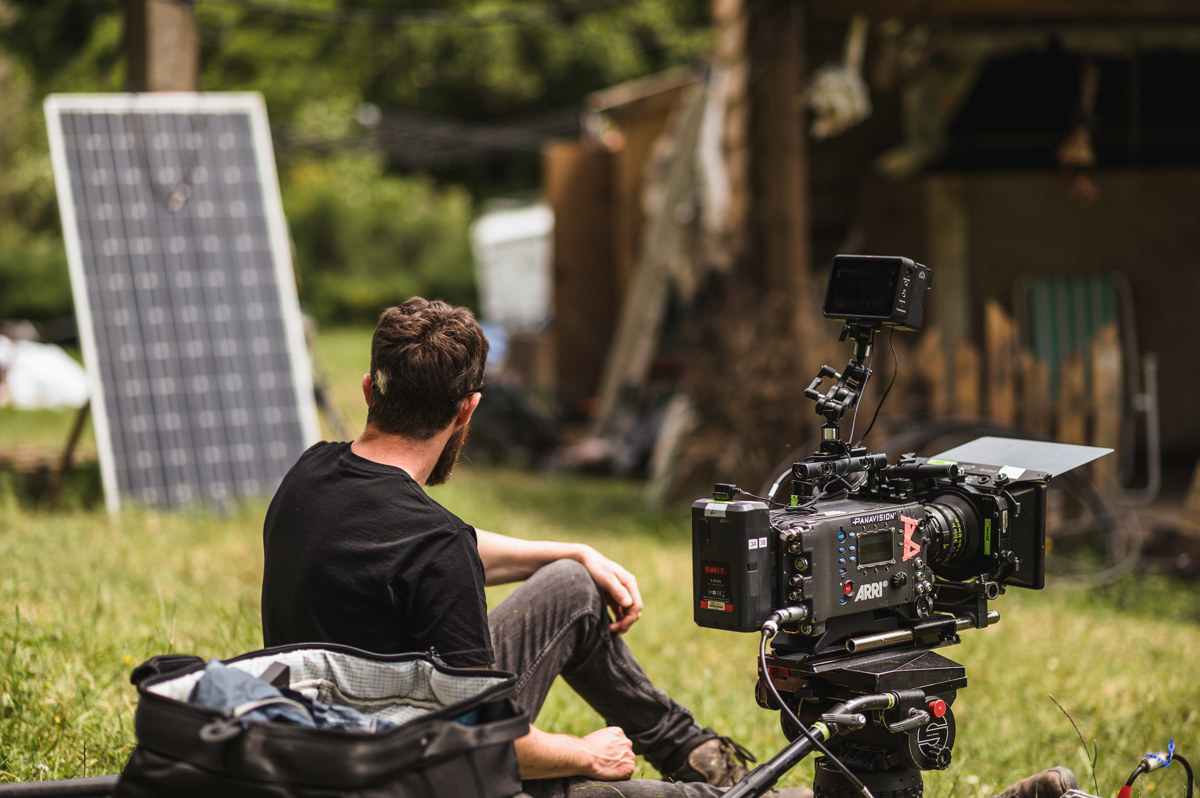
[[606, 755], [508, 559]]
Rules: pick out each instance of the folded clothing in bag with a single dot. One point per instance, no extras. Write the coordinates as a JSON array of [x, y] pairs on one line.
[[240, 695], [342, 722]]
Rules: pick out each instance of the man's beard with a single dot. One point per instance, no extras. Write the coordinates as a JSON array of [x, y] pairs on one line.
[[444, 466]]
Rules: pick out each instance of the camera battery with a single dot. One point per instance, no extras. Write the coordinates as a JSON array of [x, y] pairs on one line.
[[733, 564]]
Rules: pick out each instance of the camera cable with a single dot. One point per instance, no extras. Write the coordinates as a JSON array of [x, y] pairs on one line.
[[734, 490], [827, 492], [768, 631], [1154, 761], [886, 391]]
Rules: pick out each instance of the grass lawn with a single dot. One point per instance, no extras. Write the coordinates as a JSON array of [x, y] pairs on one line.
[[85, 596]]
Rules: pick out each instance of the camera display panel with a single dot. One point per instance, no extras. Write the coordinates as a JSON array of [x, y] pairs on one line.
[[862, 288], [875, 548], [877, 290]]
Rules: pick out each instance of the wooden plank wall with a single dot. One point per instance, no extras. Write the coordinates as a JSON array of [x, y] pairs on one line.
[[1002, 382], [586, 297]]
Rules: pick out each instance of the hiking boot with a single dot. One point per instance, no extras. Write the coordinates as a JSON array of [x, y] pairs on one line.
[[718, 761], [1050, 783]]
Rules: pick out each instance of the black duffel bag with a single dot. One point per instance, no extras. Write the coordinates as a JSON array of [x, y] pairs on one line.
[[442, 731]]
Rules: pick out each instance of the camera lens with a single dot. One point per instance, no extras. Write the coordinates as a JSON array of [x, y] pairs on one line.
[[954, 536]]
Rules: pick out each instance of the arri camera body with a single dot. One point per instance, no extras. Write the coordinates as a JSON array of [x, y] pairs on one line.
[[863, 547], [856, 568]]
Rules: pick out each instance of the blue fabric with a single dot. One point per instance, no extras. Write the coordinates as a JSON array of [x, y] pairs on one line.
[[226, 689]]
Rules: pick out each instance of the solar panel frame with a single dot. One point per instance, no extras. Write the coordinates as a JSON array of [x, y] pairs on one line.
[[185, 297]]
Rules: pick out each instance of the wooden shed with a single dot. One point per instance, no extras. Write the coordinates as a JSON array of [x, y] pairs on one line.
[[1041, 157]]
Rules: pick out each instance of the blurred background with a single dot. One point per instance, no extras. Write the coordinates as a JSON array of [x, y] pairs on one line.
[[641, 201]]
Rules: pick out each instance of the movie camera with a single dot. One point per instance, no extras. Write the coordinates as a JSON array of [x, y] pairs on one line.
[[868, 566]]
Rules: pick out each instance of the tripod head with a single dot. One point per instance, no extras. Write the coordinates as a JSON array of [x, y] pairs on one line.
[[914, 733], [909, 729]]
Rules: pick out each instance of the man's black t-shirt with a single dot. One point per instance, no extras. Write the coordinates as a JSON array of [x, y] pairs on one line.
[[356, 553]]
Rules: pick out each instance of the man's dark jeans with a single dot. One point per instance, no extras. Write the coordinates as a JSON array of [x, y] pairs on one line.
[[556, 623]]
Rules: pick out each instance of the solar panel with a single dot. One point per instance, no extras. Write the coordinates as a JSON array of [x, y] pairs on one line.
[[184, 294]]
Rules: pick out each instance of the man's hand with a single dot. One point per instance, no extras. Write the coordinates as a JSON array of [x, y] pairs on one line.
[[618, 585], [610, 754], [507, 559]]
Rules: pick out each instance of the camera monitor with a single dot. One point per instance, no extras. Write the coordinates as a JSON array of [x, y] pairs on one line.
[[884, 290]]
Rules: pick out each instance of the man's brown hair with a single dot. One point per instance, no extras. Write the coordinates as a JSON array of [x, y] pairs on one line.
[[426, 358]]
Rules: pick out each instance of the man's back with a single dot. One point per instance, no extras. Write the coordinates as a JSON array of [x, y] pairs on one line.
[[356, 553]]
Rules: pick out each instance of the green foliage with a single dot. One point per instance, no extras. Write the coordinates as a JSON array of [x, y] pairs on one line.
[[366, 240], [289, 62], [33, 278], [464, 58], [68, 45], [364, 237], [33, 273]]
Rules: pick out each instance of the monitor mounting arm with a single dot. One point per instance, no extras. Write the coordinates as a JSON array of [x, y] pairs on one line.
[[844, 394]]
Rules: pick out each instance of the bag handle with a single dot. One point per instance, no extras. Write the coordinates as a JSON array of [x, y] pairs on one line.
[[164, 663], [231, 725]]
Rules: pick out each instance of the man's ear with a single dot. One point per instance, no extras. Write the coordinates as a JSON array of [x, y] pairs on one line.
[[366, 388], [468, 407]]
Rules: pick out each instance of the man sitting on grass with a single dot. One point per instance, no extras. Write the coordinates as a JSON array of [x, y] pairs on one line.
[[357, 553]]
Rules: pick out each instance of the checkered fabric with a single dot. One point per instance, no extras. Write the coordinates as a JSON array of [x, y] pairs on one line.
[[396, 691]]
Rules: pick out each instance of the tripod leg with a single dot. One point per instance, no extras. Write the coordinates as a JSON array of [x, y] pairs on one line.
[[763, 777]]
